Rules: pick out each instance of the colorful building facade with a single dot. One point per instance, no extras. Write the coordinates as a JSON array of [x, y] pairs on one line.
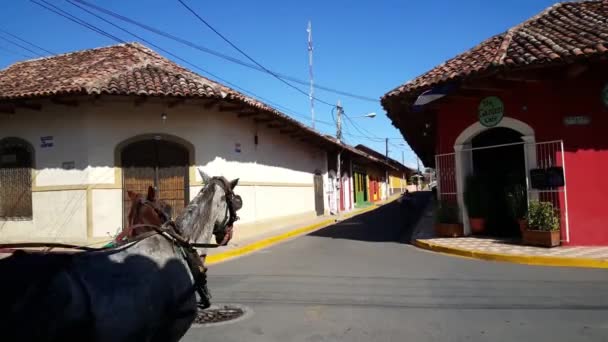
[[529, 108]]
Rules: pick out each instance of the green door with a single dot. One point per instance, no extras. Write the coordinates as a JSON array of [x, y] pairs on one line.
[[359, 189]]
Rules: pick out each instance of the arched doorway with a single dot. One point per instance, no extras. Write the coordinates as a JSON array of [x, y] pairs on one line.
[[16, 163], [499, 160], [160, 162], [462, 161]]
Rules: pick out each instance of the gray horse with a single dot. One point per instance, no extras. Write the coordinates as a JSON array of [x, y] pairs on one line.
[[140, 291]]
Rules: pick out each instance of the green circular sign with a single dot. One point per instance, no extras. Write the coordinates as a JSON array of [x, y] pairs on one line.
[[490, 111], [605, 95]]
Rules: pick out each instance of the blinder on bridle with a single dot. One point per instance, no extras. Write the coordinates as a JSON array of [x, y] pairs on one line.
[[234, 203]]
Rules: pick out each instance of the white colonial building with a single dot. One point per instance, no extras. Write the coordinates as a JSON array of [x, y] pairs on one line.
[[78, 130]]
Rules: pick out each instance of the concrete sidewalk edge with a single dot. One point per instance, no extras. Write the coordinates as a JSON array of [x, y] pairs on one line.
[[518, 259], [273, 240]]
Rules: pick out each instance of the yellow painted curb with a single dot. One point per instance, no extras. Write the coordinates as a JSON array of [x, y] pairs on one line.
[[255, 246], [252, 247], [518, 259]]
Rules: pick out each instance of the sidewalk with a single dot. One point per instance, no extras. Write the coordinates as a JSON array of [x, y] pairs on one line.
[[259, 236], [507, 250]]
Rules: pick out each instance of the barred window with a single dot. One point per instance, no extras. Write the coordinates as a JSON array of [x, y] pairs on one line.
[[15, 179]]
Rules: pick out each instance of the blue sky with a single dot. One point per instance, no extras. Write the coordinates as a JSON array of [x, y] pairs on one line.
[[362, 47]]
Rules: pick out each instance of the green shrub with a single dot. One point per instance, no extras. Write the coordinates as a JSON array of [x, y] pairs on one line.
[[542, 216], [517, 200], [447, 212]]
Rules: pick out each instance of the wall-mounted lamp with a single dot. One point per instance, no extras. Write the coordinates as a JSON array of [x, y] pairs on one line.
[[255, 139], [163, 117]]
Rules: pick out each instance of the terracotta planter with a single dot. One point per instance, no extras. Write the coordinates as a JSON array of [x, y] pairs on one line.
[[478, 225], [449, 230], [523, 225], [542, 238]]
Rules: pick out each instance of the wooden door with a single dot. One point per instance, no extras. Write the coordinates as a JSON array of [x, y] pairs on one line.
[[15, 179], [157, 163], [318, 185]]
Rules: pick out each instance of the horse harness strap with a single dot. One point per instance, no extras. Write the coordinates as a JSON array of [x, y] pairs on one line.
[[191, 256], [169, 233]]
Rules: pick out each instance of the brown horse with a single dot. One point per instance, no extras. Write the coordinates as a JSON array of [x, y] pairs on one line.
[[150, 211], [144, 211]]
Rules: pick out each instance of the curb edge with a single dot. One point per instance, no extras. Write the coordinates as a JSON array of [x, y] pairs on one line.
[[517, 259]]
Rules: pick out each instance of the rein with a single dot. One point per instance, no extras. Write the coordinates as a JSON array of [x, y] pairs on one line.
[[171, 235]]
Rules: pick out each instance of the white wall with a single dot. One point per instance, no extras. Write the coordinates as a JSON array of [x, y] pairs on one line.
[[105, 204], [276, 175], [58, 216]]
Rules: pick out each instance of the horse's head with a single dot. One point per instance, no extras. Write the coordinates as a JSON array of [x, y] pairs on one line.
[[225, 203], [147, 210]]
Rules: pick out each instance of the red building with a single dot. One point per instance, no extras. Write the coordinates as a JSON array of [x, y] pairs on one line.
[[520, 107]]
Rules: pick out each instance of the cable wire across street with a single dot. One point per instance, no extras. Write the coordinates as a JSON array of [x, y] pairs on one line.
[[77, 3], [100, 31], [249, 57], [216, 53]]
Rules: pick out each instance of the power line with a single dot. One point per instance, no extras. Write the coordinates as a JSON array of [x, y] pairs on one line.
[[21, 46], [286, 109], [361, 129], [15, 52], [104, 33], [249, 57], [72, 18], [27, 42], [219, 54]]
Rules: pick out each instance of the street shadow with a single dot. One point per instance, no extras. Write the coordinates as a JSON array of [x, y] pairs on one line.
[[392, 222]]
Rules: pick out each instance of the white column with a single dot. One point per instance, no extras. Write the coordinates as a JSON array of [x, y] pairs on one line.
[[464, 167], [530, 162]]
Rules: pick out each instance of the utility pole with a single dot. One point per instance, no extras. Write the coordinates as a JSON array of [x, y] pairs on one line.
[[311, 94], [386, 159], [339, 137]]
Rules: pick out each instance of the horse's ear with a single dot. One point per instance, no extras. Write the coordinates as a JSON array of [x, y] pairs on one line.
[[132, 195], [151, 194], [204, 176], [233, 183]]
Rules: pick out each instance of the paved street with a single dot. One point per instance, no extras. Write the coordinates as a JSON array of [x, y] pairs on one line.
[[357, 281]]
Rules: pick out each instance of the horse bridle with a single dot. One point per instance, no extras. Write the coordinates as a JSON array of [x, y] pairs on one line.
[[233, 204]]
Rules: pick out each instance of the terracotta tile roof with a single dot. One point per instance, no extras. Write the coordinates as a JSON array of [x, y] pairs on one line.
[[561, 33], [126, 69], [380, 156], [132, 69]]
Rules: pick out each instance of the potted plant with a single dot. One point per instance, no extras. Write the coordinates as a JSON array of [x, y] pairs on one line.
[[543, 225], [447, 223], [476, 201], [518, 204]]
